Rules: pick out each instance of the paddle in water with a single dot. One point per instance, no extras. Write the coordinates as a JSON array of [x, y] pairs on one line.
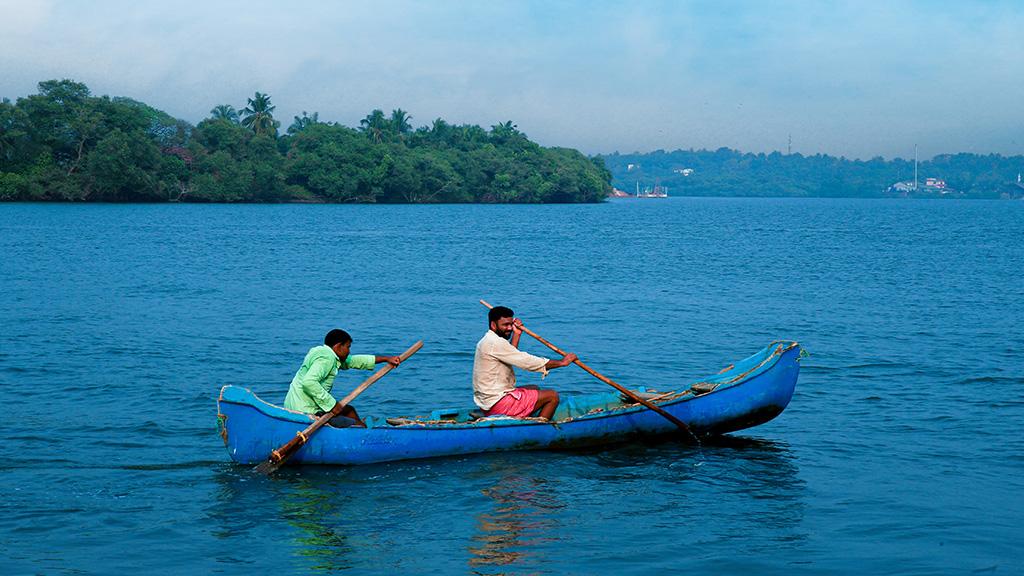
[[629, 393], [278, 457]]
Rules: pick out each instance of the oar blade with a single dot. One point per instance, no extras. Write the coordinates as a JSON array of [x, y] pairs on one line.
[[279, 457], [268, 467]]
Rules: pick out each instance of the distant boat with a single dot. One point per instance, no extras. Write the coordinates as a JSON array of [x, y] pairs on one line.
[[747, 393], [648, 192], [656, 192]]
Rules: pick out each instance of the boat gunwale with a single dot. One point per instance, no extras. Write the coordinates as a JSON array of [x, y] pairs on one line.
[[781, 347]]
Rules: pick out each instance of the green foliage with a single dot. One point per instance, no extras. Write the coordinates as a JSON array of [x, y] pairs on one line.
[[12, 186], [220, 178], [332, 162], [16, 145], [65, 144], [726, 172], [122, 167], [223, 135]]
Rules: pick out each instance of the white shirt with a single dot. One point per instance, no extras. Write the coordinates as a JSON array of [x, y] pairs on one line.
[[493, 376]]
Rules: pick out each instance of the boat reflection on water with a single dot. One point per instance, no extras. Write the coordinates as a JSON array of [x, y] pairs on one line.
[[516, 513], [521, 520], [303, 511], [316, 513]]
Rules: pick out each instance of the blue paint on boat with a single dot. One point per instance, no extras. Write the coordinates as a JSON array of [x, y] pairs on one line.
[[750, 392]]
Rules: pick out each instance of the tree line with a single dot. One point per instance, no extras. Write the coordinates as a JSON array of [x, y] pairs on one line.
[[64, 144], [727, 172]]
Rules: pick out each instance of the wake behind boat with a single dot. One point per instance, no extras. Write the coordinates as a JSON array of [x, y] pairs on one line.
[[748, 393]]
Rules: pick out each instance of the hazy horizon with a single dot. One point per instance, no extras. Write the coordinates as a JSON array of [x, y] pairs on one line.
[[847, 79]]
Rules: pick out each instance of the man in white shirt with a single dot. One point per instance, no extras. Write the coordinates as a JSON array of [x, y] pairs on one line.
[[494, 381]]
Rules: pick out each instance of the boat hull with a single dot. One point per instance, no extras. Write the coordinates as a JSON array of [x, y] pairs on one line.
[[752, 392]]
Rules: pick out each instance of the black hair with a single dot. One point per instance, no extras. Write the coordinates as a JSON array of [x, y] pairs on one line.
[[337, 336], [499, 312]]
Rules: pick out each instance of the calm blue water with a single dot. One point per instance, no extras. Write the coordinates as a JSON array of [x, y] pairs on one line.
[[901, 453]]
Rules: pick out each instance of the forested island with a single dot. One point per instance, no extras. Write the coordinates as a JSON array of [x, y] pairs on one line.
[[726, 172], [64, 144]]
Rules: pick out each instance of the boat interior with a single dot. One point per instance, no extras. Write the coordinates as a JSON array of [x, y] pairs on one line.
[[569, 408]]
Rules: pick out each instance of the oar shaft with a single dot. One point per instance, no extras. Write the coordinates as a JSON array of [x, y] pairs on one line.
[[577, 362], [380, 374], [629, 393]]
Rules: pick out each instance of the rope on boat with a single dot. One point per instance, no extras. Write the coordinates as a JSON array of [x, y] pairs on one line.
[[222, 426]]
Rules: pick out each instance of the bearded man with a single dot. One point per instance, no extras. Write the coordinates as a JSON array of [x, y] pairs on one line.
[[494, 380]]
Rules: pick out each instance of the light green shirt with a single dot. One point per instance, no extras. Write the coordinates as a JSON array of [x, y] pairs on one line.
[[310, 390]]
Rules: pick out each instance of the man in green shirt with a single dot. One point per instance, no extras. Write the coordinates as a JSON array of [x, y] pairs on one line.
[[310, 390]]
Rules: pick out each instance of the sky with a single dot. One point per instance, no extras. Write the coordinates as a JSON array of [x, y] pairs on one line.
[[856, 79]]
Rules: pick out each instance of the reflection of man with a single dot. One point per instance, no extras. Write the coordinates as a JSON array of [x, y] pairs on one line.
[[494, 381], [511, 531]]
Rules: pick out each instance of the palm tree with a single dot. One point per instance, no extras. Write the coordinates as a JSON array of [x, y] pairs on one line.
[[303, 122], [440, 130], [504, 132], [400, 121], [374, 125], [259, 115], [224, 112], [470, 133]]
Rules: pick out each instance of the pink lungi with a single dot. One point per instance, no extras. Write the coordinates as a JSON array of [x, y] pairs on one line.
[[518, 403]]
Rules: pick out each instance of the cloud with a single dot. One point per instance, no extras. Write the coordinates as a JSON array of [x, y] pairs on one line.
[[857, 79], [20, 18]]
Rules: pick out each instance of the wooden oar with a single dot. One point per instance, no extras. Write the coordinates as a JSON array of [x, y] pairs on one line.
[[278, 457], [629, 393]]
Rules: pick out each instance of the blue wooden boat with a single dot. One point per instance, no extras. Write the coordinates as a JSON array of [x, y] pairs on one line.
[[747, 393]]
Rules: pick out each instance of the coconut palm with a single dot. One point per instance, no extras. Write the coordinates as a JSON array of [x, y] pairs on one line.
[[259, 115], [505, 129], [303, 122], [224, 112], [400, 121], [374, 125], [439, 130]]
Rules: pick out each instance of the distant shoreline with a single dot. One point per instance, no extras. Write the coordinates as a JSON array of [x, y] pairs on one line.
[[727, 172], [609, 200]]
